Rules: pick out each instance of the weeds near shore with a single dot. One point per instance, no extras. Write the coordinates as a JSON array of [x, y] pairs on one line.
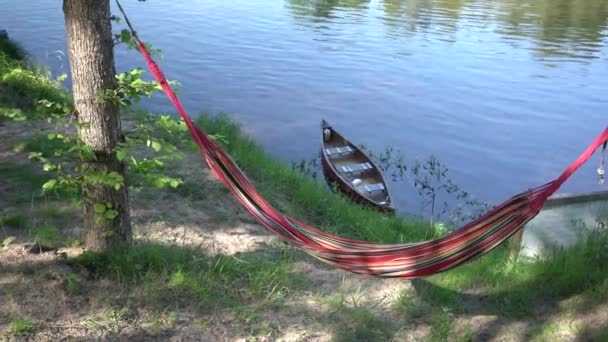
[[441, 199]]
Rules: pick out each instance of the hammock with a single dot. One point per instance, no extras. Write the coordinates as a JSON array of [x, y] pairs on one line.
[[384, 260]]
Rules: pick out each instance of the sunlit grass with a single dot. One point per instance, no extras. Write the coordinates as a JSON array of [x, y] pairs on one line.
[[171, 273]]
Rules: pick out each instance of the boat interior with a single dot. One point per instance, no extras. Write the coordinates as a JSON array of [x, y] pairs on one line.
[[355, 168]]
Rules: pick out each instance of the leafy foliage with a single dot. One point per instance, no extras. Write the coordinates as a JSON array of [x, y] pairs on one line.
[[162, 136], [26, 92], [130, 88], [153, 141]]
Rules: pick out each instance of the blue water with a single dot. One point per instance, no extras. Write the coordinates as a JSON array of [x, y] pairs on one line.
[[506, 93]]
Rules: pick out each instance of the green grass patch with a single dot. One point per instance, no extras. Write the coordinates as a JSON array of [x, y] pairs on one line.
[[41, 143], [350, 319], [31, 83], [509, 288], [22, 183], [411, 306], [22, 327], [54, 212], [22, 86], [179, 275], [14, 221], [47, 236], [547, 332], [72, 284], [597, 333], [441, 326], [359, 324]]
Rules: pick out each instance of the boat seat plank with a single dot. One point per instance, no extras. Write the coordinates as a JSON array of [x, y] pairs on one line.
[[352, 168], [371, 187], [340, 150]]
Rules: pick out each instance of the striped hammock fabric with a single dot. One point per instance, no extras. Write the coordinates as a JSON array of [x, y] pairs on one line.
[[385, 260]]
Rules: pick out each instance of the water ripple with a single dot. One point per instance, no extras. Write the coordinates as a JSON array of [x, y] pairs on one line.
[[504, 91]]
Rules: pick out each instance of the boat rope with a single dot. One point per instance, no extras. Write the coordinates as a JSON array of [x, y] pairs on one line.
[[406, 260], [601, 170]]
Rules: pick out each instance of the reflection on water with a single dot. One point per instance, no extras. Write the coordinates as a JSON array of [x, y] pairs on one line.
[[325, 9], [571, 29], [561, 30]]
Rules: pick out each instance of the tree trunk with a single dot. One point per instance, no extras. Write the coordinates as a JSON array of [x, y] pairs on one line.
[[91, 54]]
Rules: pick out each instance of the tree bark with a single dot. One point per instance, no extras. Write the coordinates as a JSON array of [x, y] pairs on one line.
[[91, 55]]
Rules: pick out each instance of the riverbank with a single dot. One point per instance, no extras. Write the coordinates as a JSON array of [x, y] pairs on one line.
[[203, 269]]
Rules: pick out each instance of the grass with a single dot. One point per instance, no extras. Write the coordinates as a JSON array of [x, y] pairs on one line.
[[14, 221], [72, 284], [182, 278], [22, 86], [47, 236], [441, 326], [22, 327], [30, 83], [359, 324], [22, 183], [193, 279], [513, 286], [594, 334], [411, 306]]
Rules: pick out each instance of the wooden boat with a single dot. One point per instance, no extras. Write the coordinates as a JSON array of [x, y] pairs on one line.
[[353, 171]]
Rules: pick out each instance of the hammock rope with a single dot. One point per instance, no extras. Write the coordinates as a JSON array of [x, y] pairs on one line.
[[408, 260]]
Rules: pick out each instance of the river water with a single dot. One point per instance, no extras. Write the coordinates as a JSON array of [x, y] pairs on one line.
[[504, 92]]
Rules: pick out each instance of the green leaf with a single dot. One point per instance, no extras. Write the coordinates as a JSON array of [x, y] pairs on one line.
[[121, 155], [8, 241], [99, 208], [157, 146], [111, 214], [62, 77], [125, 36], [49, 185], [19, 147], [87, 152], [175, 183], [117, 186], [48, 167]]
